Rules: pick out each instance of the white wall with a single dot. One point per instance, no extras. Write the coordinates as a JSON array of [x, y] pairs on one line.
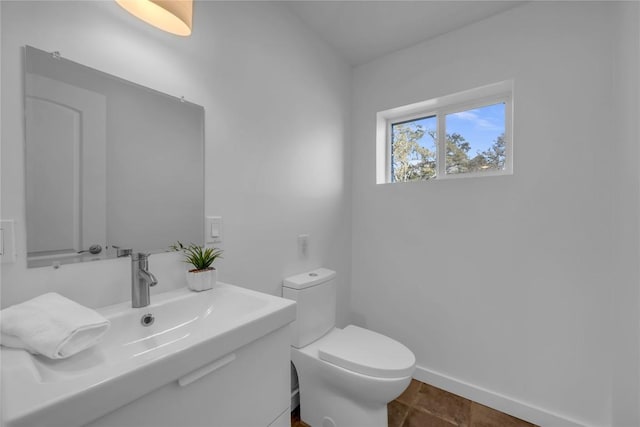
[[547, 300], [276, 102], [626, 192], [503, 286]]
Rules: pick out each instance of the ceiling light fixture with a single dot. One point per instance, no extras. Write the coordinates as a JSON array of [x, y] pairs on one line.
[[173, 16]]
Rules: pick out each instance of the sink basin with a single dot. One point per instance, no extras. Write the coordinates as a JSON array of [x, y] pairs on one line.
[[190, 329], [179, 318]]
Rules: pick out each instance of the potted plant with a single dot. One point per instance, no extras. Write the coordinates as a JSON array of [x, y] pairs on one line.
[[202, 276]]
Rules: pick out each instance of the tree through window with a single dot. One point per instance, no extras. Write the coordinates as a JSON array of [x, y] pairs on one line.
[[465, 134], [449, 141]]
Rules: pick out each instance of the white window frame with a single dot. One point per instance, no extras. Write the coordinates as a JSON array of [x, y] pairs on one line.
[[496, 93]]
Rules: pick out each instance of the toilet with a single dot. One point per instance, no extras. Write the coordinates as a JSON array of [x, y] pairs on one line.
[[346, 376]]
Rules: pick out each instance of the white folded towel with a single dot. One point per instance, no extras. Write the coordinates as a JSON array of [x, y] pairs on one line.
[[51, 325]]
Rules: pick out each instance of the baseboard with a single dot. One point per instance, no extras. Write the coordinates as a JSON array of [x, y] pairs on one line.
[[495, 400]]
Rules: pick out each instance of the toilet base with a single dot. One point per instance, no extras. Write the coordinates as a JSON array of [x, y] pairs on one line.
[[331, 396], [332, 410]]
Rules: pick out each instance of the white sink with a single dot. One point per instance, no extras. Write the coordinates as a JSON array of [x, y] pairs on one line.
[[190, 330]]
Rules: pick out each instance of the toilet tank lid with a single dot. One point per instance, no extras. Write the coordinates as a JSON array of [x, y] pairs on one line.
[[308, 279]]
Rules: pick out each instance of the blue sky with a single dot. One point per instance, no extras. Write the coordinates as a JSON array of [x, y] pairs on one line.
[[480, 126]]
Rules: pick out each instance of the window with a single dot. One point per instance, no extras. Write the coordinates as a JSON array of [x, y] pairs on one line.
[[467, 134]]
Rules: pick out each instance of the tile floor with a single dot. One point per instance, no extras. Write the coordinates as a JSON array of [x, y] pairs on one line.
[[423, 405]]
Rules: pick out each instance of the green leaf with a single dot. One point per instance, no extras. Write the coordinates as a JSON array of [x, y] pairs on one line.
[[200, 258]]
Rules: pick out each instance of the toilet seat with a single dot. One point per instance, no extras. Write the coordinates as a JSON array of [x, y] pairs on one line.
[[367, 352]]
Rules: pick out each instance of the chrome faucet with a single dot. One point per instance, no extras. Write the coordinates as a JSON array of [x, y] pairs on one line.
[[141, 280]]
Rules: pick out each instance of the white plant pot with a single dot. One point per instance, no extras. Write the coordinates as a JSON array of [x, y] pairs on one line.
[[201, 280]]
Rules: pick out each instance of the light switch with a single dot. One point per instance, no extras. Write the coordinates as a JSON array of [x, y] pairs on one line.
[[7, 241], [213, 229]]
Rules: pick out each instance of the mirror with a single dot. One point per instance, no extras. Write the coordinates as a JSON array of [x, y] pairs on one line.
[[109, 163]]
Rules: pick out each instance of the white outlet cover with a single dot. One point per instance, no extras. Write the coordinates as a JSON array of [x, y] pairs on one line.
[[303, 245]]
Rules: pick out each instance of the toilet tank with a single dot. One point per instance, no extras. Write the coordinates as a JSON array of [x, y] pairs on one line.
[[315, 295]]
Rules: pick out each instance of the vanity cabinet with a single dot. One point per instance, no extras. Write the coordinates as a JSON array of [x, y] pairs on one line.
[[247, 387]]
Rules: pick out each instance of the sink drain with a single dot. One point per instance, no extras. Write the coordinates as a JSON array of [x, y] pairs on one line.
[[147, 319]]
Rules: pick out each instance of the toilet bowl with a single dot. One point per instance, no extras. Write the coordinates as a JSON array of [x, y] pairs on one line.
[[346, 376]]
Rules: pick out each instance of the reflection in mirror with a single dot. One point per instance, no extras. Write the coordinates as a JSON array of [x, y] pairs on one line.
[[109, 164]]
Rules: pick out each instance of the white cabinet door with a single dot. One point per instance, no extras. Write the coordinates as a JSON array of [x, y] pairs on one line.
[[250, 389]]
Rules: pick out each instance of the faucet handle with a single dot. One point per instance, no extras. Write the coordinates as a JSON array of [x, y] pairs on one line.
[[122, 252]]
